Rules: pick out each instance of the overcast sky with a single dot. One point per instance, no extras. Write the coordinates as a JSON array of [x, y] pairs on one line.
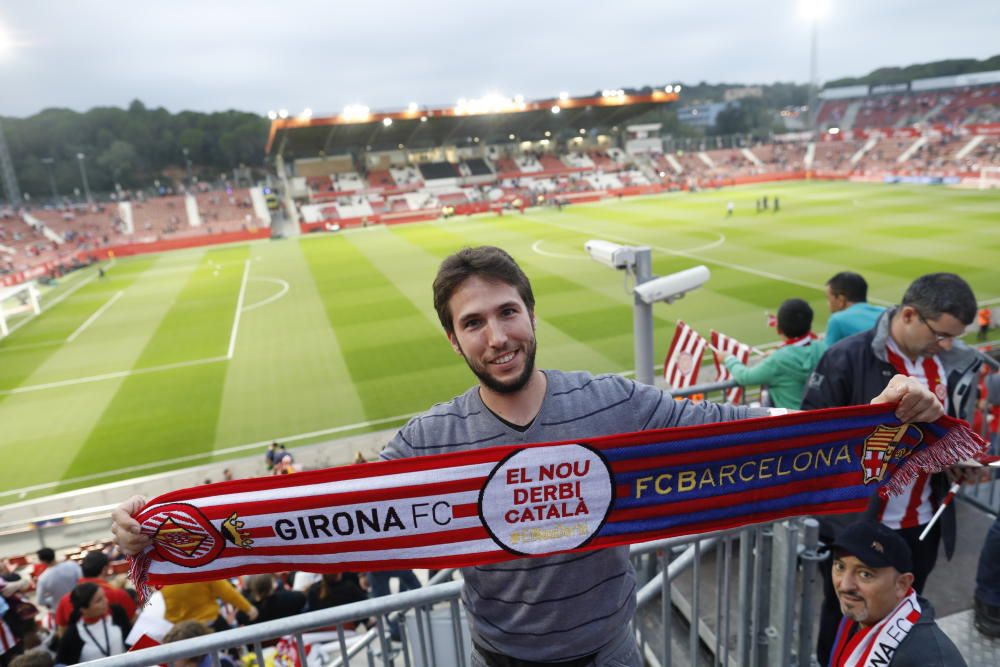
[[249, 55]]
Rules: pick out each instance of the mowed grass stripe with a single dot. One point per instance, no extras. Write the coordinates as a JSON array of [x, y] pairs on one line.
[[390, 348], [24, 352], [172, 413], [57, 421], [288, 374]]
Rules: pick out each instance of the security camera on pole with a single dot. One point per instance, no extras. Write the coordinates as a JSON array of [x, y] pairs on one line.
[[648, 289]]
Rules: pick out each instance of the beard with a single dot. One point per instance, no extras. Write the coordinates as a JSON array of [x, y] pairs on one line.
[[482, 372]]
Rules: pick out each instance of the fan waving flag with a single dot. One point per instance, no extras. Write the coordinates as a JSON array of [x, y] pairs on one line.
[[482, 506], [683, 361], [726, 346]]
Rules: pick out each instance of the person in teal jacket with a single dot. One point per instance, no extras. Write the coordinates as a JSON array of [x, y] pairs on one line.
[[787, 368], [850, 312]]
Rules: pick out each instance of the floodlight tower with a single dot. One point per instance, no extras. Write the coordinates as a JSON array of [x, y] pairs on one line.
[[7, 175], [813, 11]]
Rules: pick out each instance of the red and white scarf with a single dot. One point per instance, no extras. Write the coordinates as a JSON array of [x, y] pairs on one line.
[[877, 644], [914, 506]]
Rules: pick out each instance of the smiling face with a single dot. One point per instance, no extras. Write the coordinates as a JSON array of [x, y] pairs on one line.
[[494, 332], [868, 594]]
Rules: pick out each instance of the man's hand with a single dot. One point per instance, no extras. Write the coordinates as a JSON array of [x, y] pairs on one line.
[[127, 532], [916, 402]]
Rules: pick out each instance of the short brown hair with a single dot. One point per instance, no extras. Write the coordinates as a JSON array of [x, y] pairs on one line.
[[487, 262]]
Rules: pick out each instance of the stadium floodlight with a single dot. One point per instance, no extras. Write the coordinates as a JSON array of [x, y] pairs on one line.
[[386, 122], [306, 114], [672, 287], [834, 130], [548, 133], [583, 130], [677, 88], [511, 137], [356, 112], [815, 10], [668, 89], [272, 114], [555, 108], [423, 119], [283, 113], [412, 107]]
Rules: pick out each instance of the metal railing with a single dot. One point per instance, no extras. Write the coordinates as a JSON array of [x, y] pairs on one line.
[[744, 597]]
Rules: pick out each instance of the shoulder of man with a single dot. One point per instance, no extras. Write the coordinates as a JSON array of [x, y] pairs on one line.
[[927, 645]]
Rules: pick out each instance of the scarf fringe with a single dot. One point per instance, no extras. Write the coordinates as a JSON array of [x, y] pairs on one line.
[[958, 444], [138, 573]]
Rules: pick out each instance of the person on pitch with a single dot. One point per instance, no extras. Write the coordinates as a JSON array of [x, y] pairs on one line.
[[573, 609], [884, 621]]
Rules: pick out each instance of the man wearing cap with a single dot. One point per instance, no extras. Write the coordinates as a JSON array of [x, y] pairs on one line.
[[885, 622]]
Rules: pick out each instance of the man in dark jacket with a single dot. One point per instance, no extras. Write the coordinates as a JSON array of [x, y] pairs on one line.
[[884, 621], [919, 339]]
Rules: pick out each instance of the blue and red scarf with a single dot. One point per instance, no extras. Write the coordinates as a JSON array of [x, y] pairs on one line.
[[487, 505]]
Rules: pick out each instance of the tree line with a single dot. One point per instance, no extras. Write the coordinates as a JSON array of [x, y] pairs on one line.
[[131, 148]]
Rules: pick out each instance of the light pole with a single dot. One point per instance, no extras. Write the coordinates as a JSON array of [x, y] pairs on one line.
[[48, 162], [187, 161], [814, 11], [83, 174]]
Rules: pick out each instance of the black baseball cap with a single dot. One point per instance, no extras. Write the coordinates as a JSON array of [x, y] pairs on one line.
[[875, 545]]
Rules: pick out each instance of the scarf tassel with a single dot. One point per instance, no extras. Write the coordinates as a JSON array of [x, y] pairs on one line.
[[138, 574], [958, 444]]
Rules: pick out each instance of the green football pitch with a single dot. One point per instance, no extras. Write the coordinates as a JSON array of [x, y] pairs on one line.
[[172, 359]]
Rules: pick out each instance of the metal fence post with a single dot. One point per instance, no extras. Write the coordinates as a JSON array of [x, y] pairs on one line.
[[761, 611], [810, 558], [784, 569]]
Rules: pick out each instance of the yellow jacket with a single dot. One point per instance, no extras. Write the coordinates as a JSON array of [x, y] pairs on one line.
[[199, 601]]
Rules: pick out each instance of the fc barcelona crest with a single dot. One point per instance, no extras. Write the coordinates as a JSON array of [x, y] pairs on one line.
[[884, 444]]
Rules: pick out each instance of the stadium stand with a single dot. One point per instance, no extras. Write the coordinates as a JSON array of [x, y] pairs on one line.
[[431, 171]]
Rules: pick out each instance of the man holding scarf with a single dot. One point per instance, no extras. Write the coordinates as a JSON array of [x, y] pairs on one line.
[[918, 339], [572, 609], [885, 622]]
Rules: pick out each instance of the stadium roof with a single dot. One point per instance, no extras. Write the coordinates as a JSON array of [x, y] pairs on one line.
[[489, 120]]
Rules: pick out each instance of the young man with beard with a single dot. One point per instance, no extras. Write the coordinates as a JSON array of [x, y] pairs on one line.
[[571, 610], [884, 621]]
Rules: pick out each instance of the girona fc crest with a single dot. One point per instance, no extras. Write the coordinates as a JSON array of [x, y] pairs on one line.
[[182, 535], [884, 444]]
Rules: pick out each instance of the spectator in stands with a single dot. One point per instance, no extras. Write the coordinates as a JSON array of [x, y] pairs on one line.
[[190, 630], [335, 589], [199, 601], [11, 644], [884, 621], [984, 318], [785, 370], [93, 568], [569, 607], [919, 339], [270, 600], [95, 628], [57, 580], [847, 294]]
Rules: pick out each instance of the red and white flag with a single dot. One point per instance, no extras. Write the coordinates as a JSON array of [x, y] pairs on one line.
[[726, 346], [772, 320], [683, 361]]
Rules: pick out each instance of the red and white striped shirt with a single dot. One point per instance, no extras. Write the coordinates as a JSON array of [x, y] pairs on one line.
[[913, 507], [7, 638]]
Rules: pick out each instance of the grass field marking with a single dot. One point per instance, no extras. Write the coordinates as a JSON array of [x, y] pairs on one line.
[[537, 247], [29, 346], [111, 376], [277, 281], [239, 309], [52, 304], [212, 454], [707, 260], [93, 318]]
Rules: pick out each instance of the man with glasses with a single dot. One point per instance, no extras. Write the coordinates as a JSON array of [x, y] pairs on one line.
[[919, 338]]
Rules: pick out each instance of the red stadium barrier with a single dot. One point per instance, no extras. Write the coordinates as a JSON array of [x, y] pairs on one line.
[[129, 249]]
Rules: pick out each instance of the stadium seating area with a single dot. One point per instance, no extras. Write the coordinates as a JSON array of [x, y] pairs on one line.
[[952, 106]]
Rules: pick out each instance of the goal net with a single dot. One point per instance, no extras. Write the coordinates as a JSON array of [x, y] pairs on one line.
[[989, 178], [16, 300]]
